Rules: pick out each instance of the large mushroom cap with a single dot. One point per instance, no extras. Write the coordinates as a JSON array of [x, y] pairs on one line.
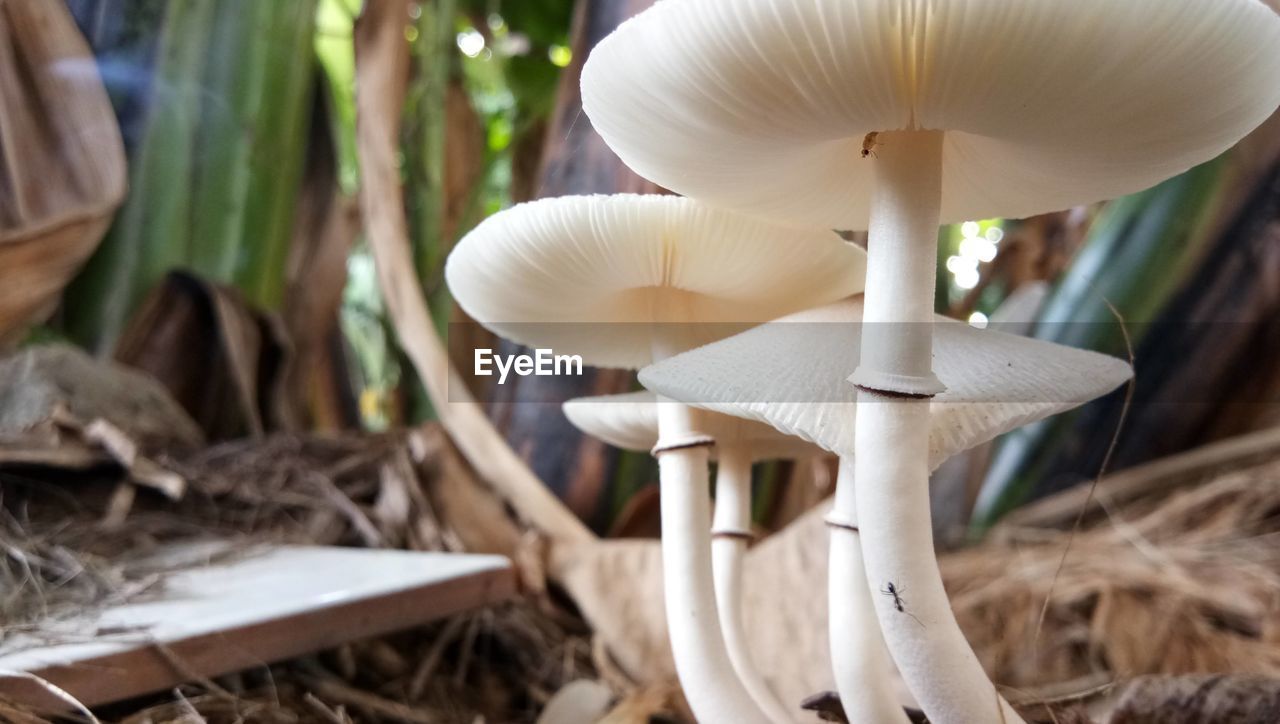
[[793, 374], [764, 105], [630, 421], [600, 276]]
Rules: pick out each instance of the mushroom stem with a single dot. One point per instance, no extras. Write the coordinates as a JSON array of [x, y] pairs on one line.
[[702, 662], [730, 534], [892, 439], [858, 655]]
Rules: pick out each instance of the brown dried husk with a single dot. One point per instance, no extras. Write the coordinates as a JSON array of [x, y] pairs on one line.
[[62, 161]]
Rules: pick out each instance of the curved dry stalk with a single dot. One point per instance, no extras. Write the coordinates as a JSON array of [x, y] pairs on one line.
[[382, 63], [1130, 389]]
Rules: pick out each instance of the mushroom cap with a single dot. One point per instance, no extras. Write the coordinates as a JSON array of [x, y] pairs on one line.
[[763, 105], [603, 276], [630, 421], [793, 374]]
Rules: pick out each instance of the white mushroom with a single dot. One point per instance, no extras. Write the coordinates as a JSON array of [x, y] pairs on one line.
[[893, 115], [995, 383], [630, 422], [766, 107], [627, 280]]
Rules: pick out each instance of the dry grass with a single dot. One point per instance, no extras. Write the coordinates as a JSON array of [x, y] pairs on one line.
[[1170, 585], [1184, 585], [502, 664]]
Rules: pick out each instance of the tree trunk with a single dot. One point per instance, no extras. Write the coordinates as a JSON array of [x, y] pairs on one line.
[[575, 161]]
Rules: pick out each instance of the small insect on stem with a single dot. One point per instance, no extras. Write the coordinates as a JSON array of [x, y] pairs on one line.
[[869, 144], [899, 602]]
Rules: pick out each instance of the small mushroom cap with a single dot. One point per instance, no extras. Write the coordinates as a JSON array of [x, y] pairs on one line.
[[630, 421], [764, 106], [602, 276], [793, 374]]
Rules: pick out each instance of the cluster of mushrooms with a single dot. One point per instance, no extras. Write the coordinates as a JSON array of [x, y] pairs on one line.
[[780, 121]]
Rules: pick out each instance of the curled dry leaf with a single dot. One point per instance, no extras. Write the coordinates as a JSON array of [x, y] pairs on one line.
[[55, 383], [62, 162], [62, 411], [223, 360]]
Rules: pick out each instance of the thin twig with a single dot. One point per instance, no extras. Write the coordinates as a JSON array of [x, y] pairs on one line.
[[190, 674], [1102, 470], [335, 717], [376, 705], [431, 661]]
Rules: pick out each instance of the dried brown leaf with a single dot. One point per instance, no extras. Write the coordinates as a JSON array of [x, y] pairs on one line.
[[62, 162]]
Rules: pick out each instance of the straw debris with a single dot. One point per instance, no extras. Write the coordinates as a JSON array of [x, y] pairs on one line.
[[1181, 585], [58, 557]]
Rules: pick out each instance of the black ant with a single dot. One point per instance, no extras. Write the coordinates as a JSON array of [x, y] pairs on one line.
[[869, 144], [898, 602]]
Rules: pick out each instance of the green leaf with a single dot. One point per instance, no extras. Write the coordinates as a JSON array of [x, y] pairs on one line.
[[234, 104], [150, 232], [280, 144], [1133, 257]]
